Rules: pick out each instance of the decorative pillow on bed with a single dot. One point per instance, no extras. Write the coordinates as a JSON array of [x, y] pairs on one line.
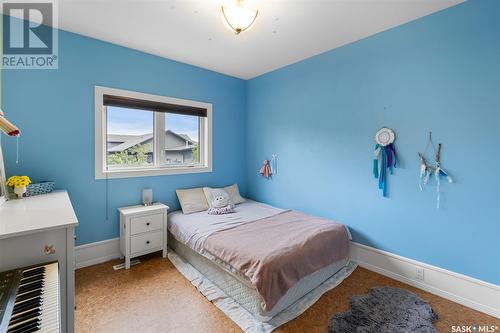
[[221, 194], [234, 194], [218, 200], [232, 191], [192, 200]]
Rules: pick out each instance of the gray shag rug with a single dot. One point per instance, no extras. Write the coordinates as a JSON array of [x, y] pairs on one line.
[[385, 310]]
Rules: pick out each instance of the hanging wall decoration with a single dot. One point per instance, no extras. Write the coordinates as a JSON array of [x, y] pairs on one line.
[[385, 158], [265, 170], [274, 164], [426, 170]]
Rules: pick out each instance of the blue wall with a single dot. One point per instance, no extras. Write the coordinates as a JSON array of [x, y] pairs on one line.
[[55, 111], [440, 73]]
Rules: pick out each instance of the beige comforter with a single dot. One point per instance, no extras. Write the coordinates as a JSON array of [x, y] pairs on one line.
[[276, 252]]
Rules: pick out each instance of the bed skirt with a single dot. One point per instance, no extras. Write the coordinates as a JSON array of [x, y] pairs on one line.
[[249, 321]]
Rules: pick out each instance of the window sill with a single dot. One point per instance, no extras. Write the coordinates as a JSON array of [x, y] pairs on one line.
[[128, 173]]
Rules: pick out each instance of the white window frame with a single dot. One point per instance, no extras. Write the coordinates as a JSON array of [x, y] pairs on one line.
[[160, 167]]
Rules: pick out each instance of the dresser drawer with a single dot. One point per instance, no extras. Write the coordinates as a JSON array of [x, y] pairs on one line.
[[146, 223], [147, 241], [31, 249]]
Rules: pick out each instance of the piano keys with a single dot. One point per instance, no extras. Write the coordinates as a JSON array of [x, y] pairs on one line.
[[30, 299], [41, 229]]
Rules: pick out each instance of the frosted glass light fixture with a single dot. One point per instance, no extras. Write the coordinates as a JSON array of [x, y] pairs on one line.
[[238, 17]]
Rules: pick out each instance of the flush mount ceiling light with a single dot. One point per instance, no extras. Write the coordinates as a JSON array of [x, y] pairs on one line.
[[239, 17]]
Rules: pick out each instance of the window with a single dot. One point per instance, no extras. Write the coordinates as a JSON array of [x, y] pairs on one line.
[[181, 139], [129, 138], [146, 135]]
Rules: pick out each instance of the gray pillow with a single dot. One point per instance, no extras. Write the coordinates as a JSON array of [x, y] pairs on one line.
[[234, 194], [217, 197]]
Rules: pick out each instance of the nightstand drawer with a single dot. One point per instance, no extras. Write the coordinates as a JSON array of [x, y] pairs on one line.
[[146, 223], [146, 241]]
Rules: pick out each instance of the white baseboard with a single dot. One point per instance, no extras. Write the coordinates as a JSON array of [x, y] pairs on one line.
[[462, 289], [470, 292], [97, 253]]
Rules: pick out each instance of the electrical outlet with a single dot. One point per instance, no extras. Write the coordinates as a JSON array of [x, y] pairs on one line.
[[419, 273]]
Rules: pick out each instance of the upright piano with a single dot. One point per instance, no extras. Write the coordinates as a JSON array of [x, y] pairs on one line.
[[37, 264]]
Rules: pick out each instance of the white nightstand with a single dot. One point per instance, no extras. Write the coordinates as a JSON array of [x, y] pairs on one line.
[[143, 229]]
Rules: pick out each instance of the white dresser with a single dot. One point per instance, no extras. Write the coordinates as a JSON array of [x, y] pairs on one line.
[[40, 229], [143, 229]]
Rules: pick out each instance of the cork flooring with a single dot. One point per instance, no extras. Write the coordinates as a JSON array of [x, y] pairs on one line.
[[154, 297]]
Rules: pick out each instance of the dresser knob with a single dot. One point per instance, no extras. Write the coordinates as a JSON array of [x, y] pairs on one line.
[[49, 249], [147, 223], [147, 242]]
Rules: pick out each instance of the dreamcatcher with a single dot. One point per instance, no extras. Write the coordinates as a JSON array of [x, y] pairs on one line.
[[385, 158], [426, 170]]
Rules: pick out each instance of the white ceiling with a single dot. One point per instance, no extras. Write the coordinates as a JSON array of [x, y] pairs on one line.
[[192, 31]]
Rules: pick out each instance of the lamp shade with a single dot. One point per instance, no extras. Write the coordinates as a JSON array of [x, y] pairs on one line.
[[238, 17], [147, 197]]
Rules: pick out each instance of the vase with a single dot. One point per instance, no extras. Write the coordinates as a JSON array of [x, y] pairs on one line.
[[19, 191]]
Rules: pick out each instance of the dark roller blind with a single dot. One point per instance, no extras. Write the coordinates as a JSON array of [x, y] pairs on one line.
[[134, 103]]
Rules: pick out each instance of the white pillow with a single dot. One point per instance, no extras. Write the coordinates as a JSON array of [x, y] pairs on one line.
[[234, 194], [216, 196], [192, 200]]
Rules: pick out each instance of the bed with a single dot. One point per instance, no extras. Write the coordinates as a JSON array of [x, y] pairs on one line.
[[192, 237]]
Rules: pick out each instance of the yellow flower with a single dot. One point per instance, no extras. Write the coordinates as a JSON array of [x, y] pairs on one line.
[[18, 181]]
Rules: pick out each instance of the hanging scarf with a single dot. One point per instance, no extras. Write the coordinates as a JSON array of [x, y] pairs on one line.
[[265, 171], [385, 159]]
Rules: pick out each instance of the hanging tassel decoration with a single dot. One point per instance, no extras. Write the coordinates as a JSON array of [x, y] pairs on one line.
[[265, 170], [385, 160], [376, 161], [438, 173], [426, 170], [274, 164]]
